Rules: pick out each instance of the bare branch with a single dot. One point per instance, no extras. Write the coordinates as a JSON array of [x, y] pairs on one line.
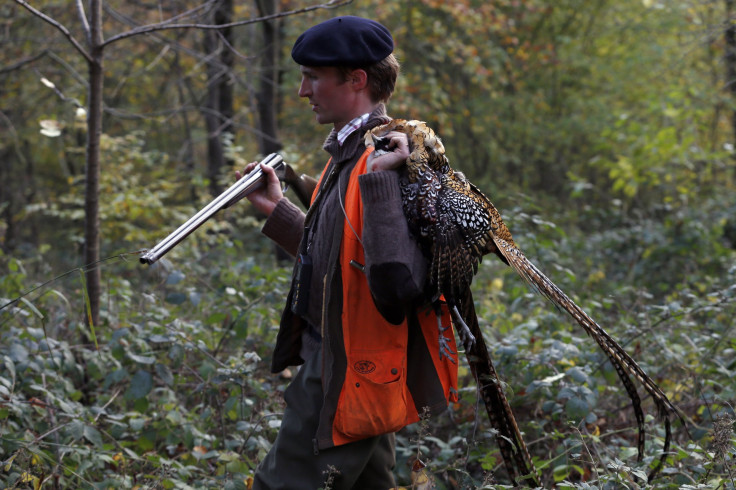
[[58, 26], [69, 68], [332, 4], [198, 11], [85, 22], [14, 135], [58, 92], [22, 62]]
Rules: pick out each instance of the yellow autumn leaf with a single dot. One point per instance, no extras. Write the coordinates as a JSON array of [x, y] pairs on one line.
[[26, 477], [9, 463]]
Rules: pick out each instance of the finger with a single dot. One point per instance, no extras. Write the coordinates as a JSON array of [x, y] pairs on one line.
[[270, 174], [398, 140]]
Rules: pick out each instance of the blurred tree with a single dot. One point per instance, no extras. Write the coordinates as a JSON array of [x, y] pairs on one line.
[[730, 56], [269, 80], [92, 50], [218, 107]]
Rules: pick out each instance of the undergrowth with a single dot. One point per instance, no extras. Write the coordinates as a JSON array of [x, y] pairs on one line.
[[178, 394]]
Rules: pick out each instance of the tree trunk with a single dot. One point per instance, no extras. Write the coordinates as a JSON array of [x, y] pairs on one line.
[[7, 201], [224, 15], [267, 100], [730, 58], [219, 102], [215, 150], [92, 183]]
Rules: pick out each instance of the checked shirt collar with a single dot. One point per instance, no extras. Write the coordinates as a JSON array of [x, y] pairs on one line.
[[351, 127]]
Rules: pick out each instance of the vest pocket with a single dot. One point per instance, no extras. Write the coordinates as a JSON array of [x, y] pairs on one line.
[[373, 398]]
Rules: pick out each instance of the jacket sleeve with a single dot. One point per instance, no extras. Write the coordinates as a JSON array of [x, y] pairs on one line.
[[285, 226], [395, 266]]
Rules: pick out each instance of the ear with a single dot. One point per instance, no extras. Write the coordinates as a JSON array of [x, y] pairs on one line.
[[358, 79]]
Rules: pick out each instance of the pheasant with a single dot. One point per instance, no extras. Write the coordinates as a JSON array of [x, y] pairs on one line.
[[456, 225]]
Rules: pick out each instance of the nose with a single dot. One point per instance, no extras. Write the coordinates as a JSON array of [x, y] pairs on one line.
[[304, 88]]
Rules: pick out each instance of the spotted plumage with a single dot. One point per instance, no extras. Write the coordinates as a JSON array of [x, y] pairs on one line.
[[457, 225]]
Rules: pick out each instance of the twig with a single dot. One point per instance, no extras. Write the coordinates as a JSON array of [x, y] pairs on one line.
[[59, 27], [587, 450], [85, 22], [22, 61], [87, 267], [112, 399], [258, 422], [167, 25]]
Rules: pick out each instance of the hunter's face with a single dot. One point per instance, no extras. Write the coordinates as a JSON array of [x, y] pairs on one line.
[[331, 96]]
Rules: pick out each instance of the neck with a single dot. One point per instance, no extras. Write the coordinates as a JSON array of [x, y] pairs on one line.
[[359, 111]]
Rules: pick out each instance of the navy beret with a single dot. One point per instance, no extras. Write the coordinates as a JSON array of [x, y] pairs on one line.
[[343, 41]]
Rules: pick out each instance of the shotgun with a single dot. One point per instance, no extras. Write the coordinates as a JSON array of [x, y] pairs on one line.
[[303, 187]]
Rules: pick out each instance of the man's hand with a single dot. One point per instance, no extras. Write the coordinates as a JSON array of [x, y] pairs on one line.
[[266, 198], [398, 147]]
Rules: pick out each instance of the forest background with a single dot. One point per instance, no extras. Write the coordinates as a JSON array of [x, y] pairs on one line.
[[603, 131]]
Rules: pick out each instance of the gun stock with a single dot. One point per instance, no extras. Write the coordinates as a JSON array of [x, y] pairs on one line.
[[303, 185]]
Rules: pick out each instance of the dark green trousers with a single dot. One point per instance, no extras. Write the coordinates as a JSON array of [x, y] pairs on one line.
[[292, 463]]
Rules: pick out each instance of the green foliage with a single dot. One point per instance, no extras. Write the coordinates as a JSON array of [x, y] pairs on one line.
[[602, 131], [165, 399], [178, 395]]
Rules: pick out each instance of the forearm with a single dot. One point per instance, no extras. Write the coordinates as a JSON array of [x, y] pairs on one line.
[[395, 266], [285, 226]]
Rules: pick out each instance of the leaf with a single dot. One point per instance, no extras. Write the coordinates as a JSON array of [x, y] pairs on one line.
[[553, 378], [159, 339], [235, 485], [176, 298], [175, 278], [18, 353], [50, 128], [147, 360], [10, 366], [576, 408], [216, 318], [26, 477], [76, 429], [140, 385], [577, 374], [163, 372], [93, 435], [32, 307], [51, 133], [9, 463]]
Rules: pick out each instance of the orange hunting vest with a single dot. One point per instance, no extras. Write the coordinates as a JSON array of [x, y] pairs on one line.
[[375, 398]]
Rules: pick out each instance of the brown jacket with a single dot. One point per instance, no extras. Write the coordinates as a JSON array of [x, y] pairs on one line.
[[395, 269]]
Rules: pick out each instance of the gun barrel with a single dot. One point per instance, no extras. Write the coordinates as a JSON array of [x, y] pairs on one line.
[[234, 193]]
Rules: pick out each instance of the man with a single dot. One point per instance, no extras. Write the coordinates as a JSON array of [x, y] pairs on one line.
[[354, 317]]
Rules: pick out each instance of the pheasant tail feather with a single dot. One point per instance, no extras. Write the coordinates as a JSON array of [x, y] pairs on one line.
[[517, 460], [625, 365]]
